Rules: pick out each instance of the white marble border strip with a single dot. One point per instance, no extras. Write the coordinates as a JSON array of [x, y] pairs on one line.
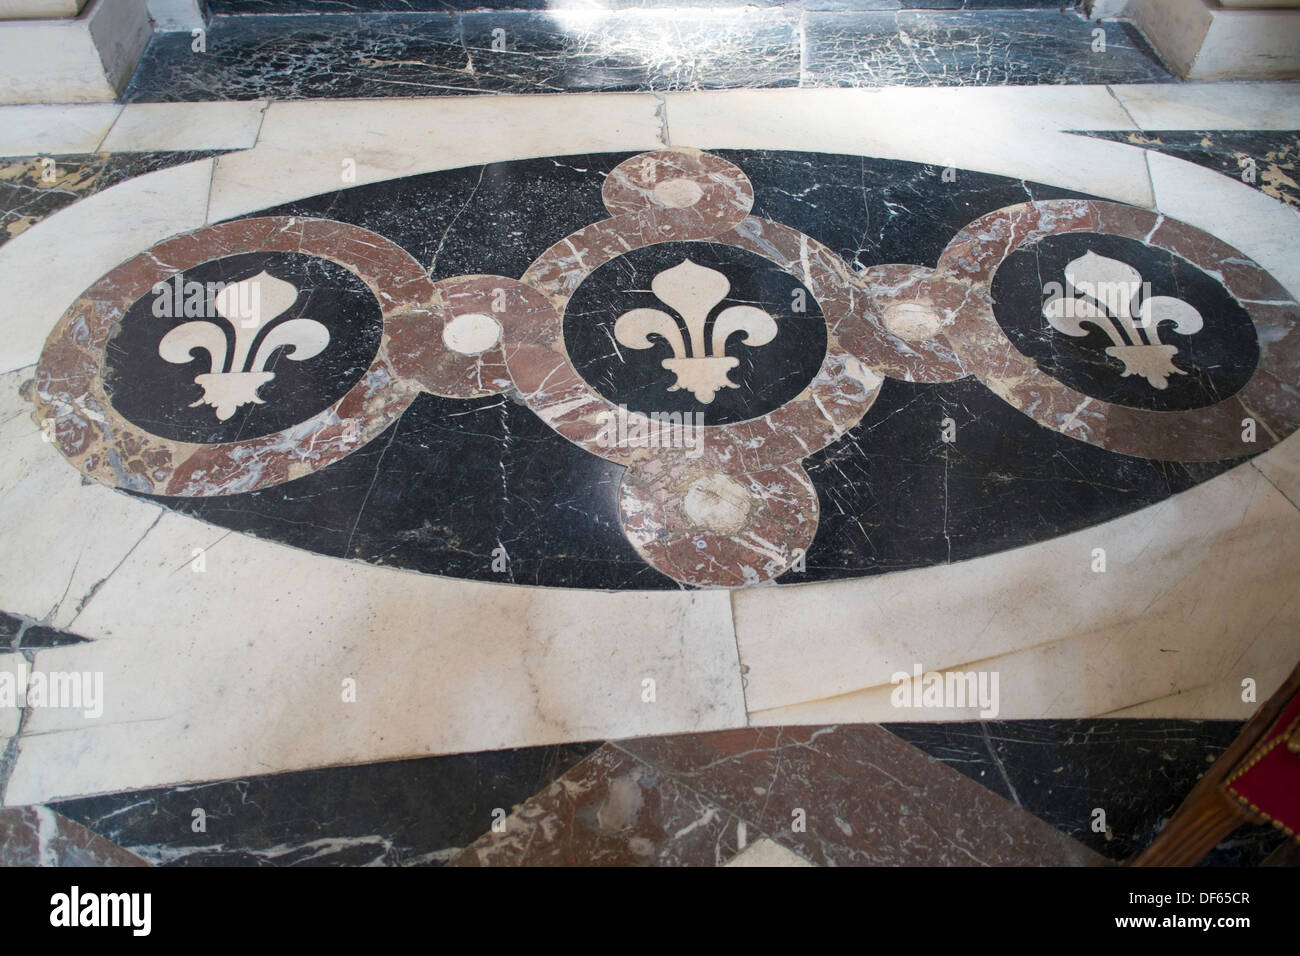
[[53, 129], [1207, 106], [46, 130], [228, 124]]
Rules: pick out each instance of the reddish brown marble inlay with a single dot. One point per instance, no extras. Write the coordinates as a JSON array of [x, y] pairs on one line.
[[710, 529], [918, 303], [420, 353], [694, 184]]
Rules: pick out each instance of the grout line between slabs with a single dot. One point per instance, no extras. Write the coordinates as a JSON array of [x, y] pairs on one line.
[[1276, 486], [1151, 180], [99, 143], [212, 176], [261, 121], [1110, 88], [740, 662]]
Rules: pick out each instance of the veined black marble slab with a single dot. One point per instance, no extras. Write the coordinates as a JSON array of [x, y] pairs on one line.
[[227, 7], [311, 57], [1137, 771], [1268, 160], [455, 480], [404, 813], [992, 48], [630, 48], [591, 50]]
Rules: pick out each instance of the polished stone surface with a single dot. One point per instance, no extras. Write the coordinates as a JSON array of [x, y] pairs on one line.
[[854, 796], [938, 48], [612, 810], [21, 633], [230, 7], [823, 796], [716, 799], [630, 46]]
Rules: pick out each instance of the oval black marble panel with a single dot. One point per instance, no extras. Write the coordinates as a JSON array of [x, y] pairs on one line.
[[458, 484]]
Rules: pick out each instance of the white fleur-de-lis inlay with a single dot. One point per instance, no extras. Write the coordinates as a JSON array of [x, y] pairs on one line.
[[692, 291], [248, 307], [1109, 297]]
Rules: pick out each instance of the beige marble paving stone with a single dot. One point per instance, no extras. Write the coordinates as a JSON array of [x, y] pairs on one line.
[[41, 130], [1191, 585], [1011, 131], [304, 146], [1063, 680], [767, 853], [240, 668], [998, 110], [64, 537], [45, 268], [16, 665], [1162, 106], [230, 124], [1281, 466], [34, 9]]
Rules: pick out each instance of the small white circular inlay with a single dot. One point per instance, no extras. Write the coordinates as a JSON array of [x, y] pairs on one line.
[[718, 503], [471, 334], [913, 320], [678, 193]]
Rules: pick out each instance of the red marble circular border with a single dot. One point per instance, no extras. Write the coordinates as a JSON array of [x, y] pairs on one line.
[[1210, 433], [775, 531], [416, 346], [724, 193], [929, 360], [835, 400], [69, 385]]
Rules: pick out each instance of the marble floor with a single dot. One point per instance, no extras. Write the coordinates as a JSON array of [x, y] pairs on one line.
[[610, 469]]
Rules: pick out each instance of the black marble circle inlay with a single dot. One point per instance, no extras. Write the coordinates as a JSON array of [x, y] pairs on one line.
[[766, 376], [160, 395], [1212, 362]]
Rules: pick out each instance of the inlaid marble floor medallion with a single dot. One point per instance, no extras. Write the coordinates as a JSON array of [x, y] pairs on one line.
[[672, 368]]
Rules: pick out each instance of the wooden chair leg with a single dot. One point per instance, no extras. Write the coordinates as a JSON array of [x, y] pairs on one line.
[[1195, 830]]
